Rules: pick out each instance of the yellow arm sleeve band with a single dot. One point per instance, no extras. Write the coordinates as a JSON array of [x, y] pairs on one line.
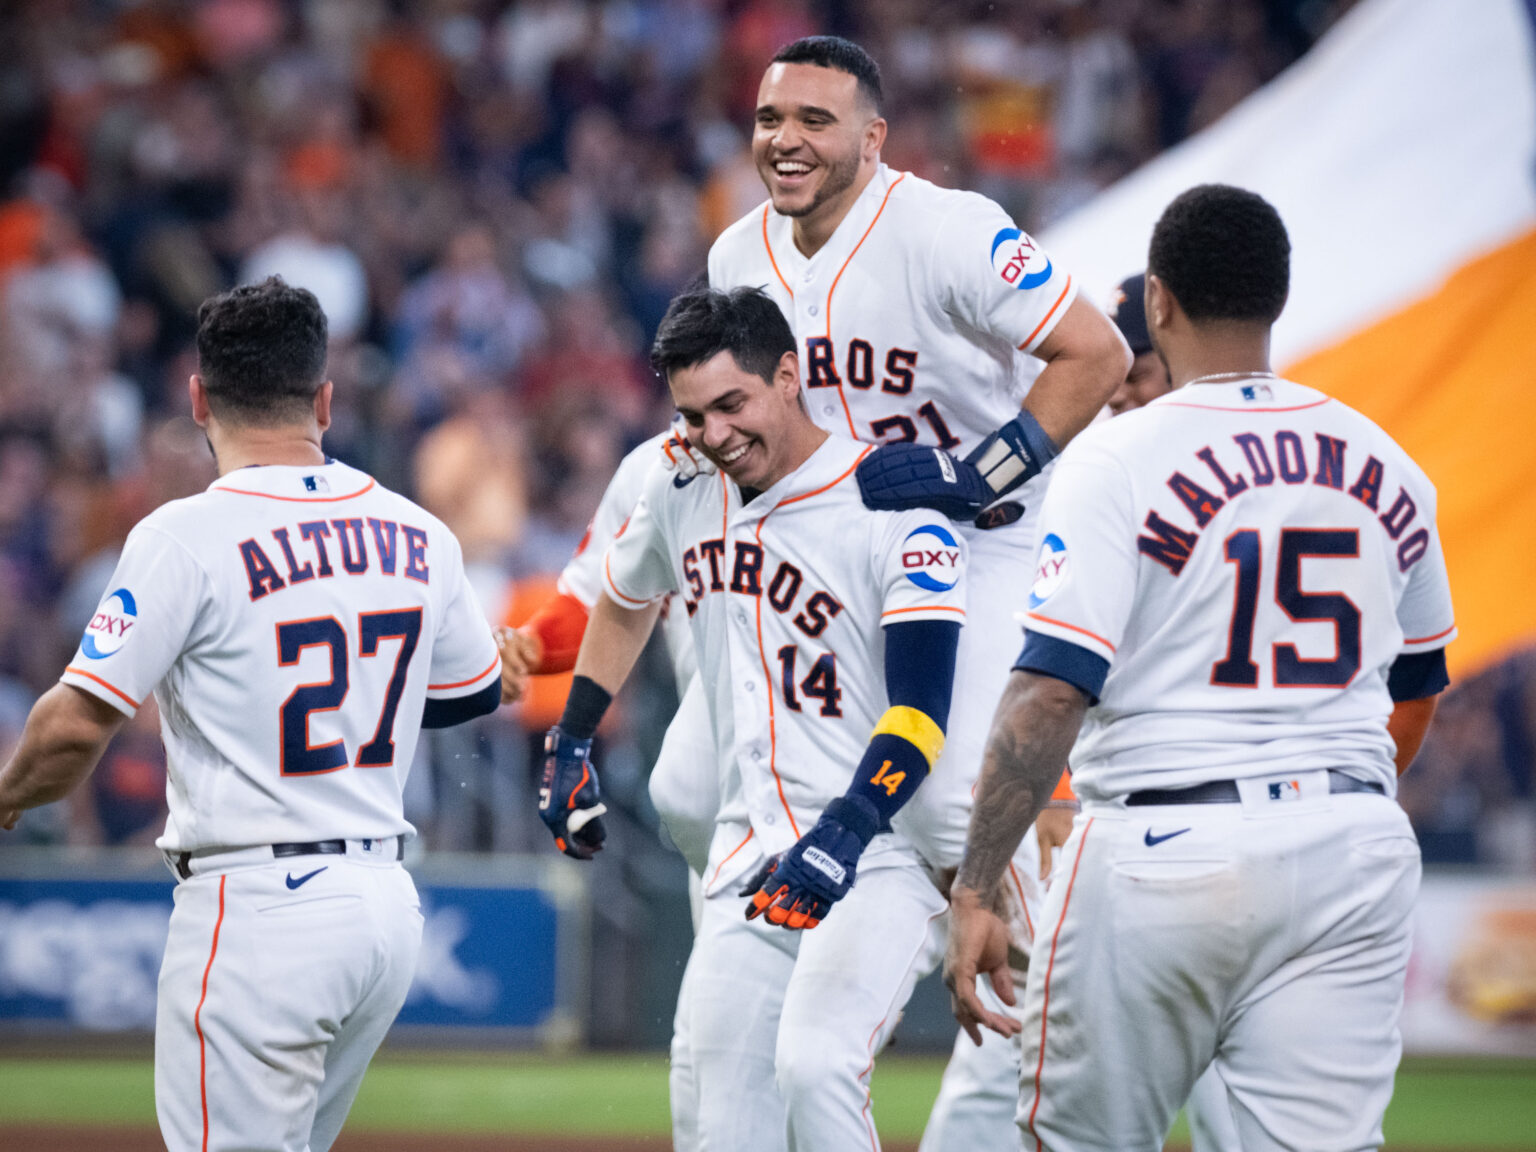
[[915, 727]]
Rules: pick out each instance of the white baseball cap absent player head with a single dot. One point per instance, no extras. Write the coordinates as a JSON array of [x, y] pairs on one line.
[[1218, 273], [818, 132], [729, 359], [260, 392]]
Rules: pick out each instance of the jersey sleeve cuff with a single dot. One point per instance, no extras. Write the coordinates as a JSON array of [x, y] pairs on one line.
[[916, 612], [1416, 675], [1048, 322], [1434, 641], [621, 597], [1063, 660], [454, 689], [77, 677], [1076, 634]]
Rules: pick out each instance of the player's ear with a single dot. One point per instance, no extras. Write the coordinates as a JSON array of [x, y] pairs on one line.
[[323, 405], [787, 374], [874, 138], [1159, 303], [198, 393]]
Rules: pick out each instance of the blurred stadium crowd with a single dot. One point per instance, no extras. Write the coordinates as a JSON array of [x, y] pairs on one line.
[[494, 202]]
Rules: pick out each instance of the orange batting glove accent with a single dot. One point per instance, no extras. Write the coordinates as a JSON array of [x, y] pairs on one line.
[[1064, 789]]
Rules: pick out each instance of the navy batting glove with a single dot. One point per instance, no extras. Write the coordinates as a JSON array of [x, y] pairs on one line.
[[796, 889], [895, 477], [570, 803]]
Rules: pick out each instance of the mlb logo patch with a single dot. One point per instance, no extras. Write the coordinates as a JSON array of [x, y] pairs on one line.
[[1252, 392], [1285, 790], [316, 484]]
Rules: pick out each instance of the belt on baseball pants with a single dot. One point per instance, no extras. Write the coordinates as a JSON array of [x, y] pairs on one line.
[[1225, 791], [379, 848]]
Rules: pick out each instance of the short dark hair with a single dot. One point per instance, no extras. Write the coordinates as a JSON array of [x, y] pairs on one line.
[[840, 55], [261, 351], [701, 324], [1224, 254]]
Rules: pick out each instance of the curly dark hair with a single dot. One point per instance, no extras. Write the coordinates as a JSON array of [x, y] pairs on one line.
[[1224, 254], [261, 352], [744, 322], [842, 56]]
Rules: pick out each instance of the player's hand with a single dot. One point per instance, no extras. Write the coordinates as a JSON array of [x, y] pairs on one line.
[[899, 476], [9, 818], [679, 455], [1052, 827], [978, 942], [570, 803], [521, 654], [796, 889]]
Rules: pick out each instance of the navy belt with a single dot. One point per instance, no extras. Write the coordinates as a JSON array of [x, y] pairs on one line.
[[1225, 791], [183, 860]]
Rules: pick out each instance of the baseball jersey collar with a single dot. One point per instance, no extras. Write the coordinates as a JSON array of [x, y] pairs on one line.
[[841, 243], [1256, 394], [297, 483], [831, 463]]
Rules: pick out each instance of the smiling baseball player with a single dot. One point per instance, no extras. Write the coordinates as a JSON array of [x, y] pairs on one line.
[[1242, 586], [298, 625], [799, 598], [910, 304]]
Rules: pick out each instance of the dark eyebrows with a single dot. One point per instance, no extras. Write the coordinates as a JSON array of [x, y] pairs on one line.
[[802, 110], [735, 394]]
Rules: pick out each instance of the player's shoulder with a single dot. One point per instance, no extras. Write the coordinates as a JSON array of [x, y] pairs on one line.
[[740, 238]]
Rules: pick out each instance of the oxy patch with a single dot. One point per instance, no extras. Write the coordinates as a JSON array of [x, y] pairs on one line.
[[1050, 571], [109, 628], [931, 557], [1019, 260]]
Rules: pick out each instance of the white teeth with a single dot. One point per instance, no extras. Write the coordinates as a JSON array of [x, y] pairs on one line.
[[791, 168], [732, 457]]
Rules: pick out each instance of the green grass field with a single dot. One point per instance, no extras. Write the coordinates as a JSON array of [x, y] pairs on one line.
[[1443, 1104]]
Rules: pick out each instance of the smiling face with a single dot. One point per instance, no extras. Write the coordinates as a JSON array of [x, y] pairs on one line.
[[757, 431], [816, 142]]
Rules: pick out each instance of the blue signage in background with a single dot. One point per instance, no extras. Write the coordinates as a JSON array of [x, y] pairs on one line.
[[503, 947]]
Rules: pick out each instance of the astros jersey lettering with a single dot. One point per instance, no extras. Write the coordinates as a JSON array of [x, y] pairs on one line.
[[1259, 567], [292, 623], [910, 318], [787, 596]]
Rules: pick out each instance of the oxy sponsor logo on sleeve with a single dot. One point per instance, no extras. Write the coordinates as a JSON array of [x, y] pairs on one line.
[[1050, 571], [931, 557], [110, 628], [1019, 260]]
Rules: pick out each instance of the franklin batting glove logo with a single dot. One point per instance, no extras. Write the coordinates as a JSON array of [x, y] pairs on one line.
[[824, 864]]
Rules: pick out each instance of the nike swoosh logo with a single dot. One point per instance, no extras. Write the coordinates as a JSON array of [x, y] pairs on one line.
[[683, 481], [292, 883], [1152, 841]]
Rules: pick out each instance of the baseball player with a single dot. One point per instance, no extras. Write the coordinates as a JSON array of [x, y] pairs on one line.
[[1241, 586], [298, 625], [979, 1095], [826, 636], [909, 304]]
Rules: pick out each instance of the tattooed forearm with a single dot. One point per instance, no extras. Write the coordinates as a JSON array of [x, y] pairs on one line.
[[1036, 722]]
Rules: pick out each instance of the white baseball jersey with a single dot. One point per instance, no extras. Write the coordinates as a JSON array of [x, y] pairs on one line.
[[292, 623], [786, 597], [1248, 558], [582, 577], [909, 319]]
